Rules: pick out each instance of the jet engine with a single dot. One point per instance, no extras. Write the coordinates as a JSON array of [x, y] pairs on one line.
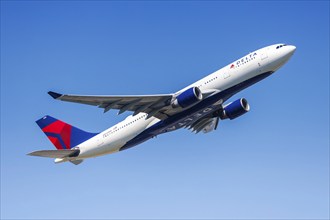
[[235, 109], [187, 98]]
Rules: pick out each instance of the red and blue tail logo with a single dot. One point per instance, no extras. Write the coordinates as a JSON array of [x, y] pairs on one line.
[[61, 134]]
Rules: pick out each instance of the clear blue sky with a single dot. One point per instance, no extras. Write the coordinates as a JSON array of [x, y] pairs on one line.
[[271, 163]]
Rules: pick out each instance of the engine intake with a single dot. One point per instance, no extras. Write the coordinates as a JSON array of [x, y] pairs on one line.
[[187, 98], [236, 109]]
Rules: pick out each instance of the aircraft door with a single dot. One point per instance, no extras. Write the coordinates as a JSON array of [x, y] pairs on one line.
[[100, 141], [263, 60], [264, 55], [226, 74]]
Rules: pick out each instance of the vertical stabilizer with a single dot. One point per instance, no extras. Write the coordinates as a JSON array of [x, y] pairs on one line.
[[61, 134]]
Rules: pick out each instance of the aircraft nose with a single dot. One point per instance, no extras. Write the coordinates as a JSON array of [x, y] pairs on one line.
[[291, 50], [288, 52], [281, 55]]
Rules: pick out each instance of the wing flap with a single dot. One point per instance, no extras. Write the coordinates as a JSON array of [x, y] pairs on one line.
[[204, 124], [55, 153]]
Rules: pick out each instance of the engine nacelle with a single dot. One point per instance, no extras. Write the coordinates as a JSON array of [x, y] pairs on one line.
[[236, 109], [187, 98]]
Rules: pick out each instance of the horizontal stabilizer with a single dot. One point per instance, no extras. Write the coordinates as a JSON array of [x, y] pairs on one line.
[[55, 153]]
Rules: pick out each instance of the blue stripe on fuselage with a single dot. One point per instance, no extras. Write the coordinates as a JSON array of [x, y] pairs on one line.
[[192, 114]]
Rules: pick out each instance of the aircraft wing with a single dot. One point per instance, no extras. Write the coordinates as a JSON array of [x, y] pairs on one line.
[[153, 105]]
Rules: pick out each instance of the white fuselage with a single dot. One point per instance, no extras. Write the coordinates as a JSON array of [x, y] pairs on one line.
[[267, 59]]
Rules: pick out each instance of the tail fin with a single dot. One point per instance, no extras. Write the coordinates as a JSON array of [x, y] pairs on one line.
[[61, 134]]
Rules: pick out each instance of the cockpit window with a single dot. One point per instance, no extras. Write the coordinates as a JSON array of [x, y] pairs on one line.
[[279, 46]]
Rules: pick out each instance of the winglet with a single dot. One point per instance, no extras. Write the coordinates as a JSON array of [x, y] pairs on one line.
[[54, 94]]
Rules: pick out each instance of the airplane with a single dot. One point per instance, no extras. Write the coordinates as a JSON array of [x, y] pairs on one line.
[[197, 107]]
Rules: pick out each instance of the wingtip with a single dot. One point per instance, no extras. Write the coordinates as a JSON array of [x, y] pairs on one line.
[[55, 95], [30, 154]]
